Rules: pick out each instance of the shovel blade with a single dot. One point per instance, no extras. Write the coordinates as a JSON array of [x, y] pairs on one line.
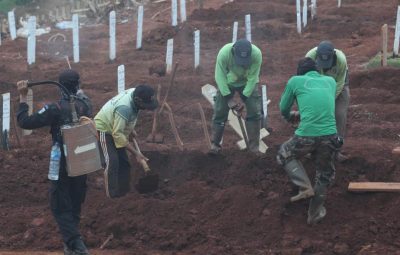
[[148, 183]]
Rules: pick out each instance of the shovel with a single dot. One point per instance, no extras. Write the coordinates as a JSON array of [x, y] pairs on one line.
[[149, 182], [238, 114]]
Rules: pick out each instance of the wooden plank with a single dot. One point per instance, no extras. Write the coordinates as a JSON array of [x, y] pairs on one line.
[[396, 151], [374, 186], [384, 44], [209, 92]]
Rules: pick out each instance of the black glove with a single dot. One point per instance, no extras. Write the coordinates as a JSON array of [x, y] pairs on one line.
[[232, 104], [294, 118]]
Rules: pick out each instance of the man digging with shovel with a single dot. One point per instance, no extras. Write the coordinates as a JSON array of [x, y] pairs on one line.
[[316, 133], [237, 69], [116, 122]]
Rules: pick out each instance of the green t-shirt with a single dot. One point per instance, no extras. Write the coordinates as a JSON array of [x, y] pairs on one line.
[[315, 96], [228, 74], [337, 72]]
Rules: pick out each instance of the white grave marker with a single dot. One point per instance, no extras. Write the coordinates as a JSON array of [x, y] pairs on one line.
[[170, 52], [264, 104], [339, 3], [305, 9], [174, 12], [397, 34], [139, 28], [75, 32], [29, 101], [121, 78], [298, 14], [11, 25], [208, 92], [31, 40], [183, 10], [235, 32], [112, 35], [196, 48], [248, 27], [313, 8], [6, 112]]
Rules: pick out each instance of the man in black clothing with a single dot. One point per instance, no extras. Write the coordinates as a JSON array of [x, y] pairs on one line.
[[67, 193]]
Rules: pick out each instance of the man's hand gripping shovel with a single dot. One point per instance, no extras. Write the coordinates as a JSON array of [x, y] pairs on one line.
[[149, 182], [237, 110]]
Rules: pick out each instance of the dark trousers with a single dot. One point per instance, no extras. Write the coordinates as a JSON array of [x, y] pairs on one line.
[[117, 173], [66, 197]]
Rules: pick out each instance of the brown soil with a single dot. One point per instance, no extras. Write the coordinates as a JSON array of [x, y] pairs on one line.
[[235, 204]]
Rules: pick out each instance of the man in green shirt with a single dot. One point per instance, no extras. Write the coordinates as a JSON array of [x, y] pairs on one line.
[[314, 95], [237, 70], [115, 122], [332, 62]]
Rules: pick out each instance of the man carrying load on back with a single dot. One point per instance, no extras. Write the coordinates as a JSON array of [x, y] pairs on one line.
[[237, 69], [66, 193]]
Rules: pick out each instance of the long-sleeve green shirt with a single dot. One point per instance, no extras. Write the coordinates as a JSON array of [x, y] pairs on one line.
[[228, 74], [337, 72], [315, 96], [118, 118]]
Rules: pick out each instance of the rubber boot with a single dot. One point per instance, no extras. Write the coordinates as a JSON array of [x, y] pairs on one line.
[[253, 134], [316, 209], [298, 176], [217, 131], [75, 247]]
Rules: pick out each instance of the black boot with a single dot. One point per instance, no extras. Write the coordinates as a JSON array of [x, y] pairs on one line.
[[316, 209], [217, 131], [253, 134], [75, 247]]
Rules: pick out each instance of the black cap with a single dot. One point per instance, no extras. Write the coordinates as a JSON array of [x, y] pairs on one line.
[[325, 53], [147, 97], [306, 65], [242, 52], [70, 80]]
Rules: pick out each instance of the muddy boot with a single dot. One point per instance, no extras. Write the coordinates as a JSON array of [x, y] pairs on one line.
[[316, 209], [217, 132], [75, 247], [253, 134], [298, 176], [339, 157]]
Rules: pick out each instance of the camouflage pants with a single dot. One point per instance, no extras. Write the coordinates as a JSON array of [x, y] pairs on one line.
[[323, 150]]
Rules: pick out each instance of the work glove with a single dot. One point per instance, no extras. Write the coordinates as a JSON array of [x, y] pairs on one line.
[[294, 118], [232, 104], [22, 87]]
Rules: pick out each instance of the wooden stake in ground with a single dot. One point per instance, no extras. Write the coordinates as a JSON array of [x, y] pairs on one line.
[[374, 186], [169, 88], [15, 125], [69, 64], [109, 238], [205, 128], [154, 137], [384, 44], [173, 126]]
